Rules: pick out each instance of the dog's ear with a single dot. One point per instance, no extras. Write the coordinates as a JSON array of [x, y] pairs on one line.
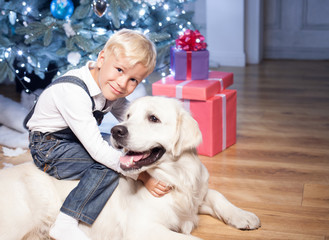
[[188, 134]]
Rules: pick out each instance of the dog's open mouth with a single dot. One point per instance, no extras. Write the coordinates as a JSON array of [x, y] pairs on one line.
[[136, 160]]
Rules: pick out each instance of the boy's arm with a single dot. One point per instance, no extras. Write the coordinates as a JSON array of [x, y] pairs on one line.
[[154, 186]]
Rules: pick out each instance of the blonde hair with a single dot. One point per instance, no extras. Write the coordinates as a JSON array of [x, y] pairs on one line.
[[133, 45]]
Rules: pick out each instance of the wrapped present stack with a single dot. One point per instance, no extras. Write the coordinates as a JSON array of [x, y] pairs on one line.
[[203, 92]]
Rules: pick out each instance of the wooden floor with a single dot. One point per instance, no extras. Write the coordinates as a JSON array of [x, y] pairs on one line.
[[279, 167]]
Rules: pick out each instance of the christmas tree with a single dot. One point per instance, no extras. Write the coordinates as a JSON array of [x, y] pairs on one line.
[[43, 39]]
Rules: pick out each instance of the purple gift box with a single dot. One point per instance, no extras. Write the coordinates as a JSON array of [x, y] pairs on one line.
[[189, 65]]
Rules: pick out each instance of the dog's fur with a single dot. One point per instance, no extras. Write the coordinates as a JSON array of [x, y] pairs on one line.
[[30, 199]]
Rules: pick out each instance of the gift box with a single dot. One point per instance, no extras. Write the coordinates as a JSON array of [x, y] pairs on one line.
[[193, 89], [217, 121], [186, 65], [190, 58]]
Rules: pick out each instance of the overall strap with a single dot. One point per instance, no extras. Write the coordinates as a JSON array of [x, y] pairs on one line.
[[63, 79]]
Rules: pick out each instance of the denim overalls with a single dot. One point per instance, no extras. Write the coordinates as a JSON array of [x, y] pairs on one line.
[[60, 154]]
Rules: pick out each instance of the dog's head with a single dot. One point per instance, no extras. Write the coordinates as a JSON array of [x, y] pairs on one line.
[[154, 127]]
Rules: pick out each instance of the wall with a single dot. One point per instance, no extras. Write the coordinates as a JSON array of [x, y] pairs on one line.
[[225, 32], [233, 30]]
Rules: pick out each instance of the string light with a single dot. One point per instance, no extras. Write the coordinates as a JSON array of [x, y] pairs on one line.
[[7, 53], [100, 31], [26, 79], [142, 12], [29, 59]]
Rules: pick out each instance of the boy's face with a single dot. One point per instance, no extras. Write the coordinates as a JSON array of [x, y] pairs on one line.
[[115, 77]]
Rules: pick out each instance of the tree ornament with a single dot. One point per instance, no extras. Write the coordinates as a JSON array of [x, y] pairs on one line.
[[74, 58], [68, 29], [61, 9], [12, 17], [100, 7]]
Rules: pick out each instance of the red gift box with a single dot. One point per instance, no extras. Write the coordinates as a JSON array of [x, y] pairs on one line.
[[217, 121], [193, 89]]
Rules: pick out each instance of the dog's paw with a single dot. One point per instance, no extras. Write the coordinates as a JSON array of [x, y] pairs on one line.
[[244, 220]]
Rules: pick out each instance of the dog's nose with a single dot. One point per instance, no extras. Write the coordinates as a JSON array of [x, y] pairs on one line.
[[119, 132]]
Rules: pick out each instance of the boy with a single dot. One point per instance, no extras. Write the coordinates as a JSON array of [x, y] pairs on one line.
[[65, 140]]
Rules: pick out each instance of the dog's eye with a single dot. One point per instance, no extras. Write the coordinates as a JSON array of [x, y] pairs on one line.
[[154, 119], [128, 116]]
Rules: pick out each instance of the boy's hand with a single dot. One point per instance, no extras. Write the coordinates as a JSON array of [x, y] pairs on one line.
[[155, 187]]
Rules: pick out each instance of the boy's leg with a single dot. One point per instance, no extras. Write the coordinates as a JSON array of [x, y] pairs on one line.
[[87, 200], [96, 185], [65, 159]]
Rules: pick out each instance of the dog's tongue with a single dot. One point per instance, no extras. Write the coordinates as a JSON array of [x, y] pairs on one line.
[[128, 159]]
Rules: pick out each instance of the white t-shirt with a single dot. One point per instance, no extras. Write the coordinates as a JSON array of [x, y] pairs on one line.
[[68, 105]]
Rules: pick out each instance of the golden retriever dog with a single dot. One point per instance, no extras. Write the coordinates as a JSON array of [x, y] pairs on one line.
[[157, 136]]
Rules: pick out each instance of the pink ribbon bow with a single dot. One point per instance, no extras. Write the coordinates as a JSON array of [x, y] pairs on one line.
[[191, 41]]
